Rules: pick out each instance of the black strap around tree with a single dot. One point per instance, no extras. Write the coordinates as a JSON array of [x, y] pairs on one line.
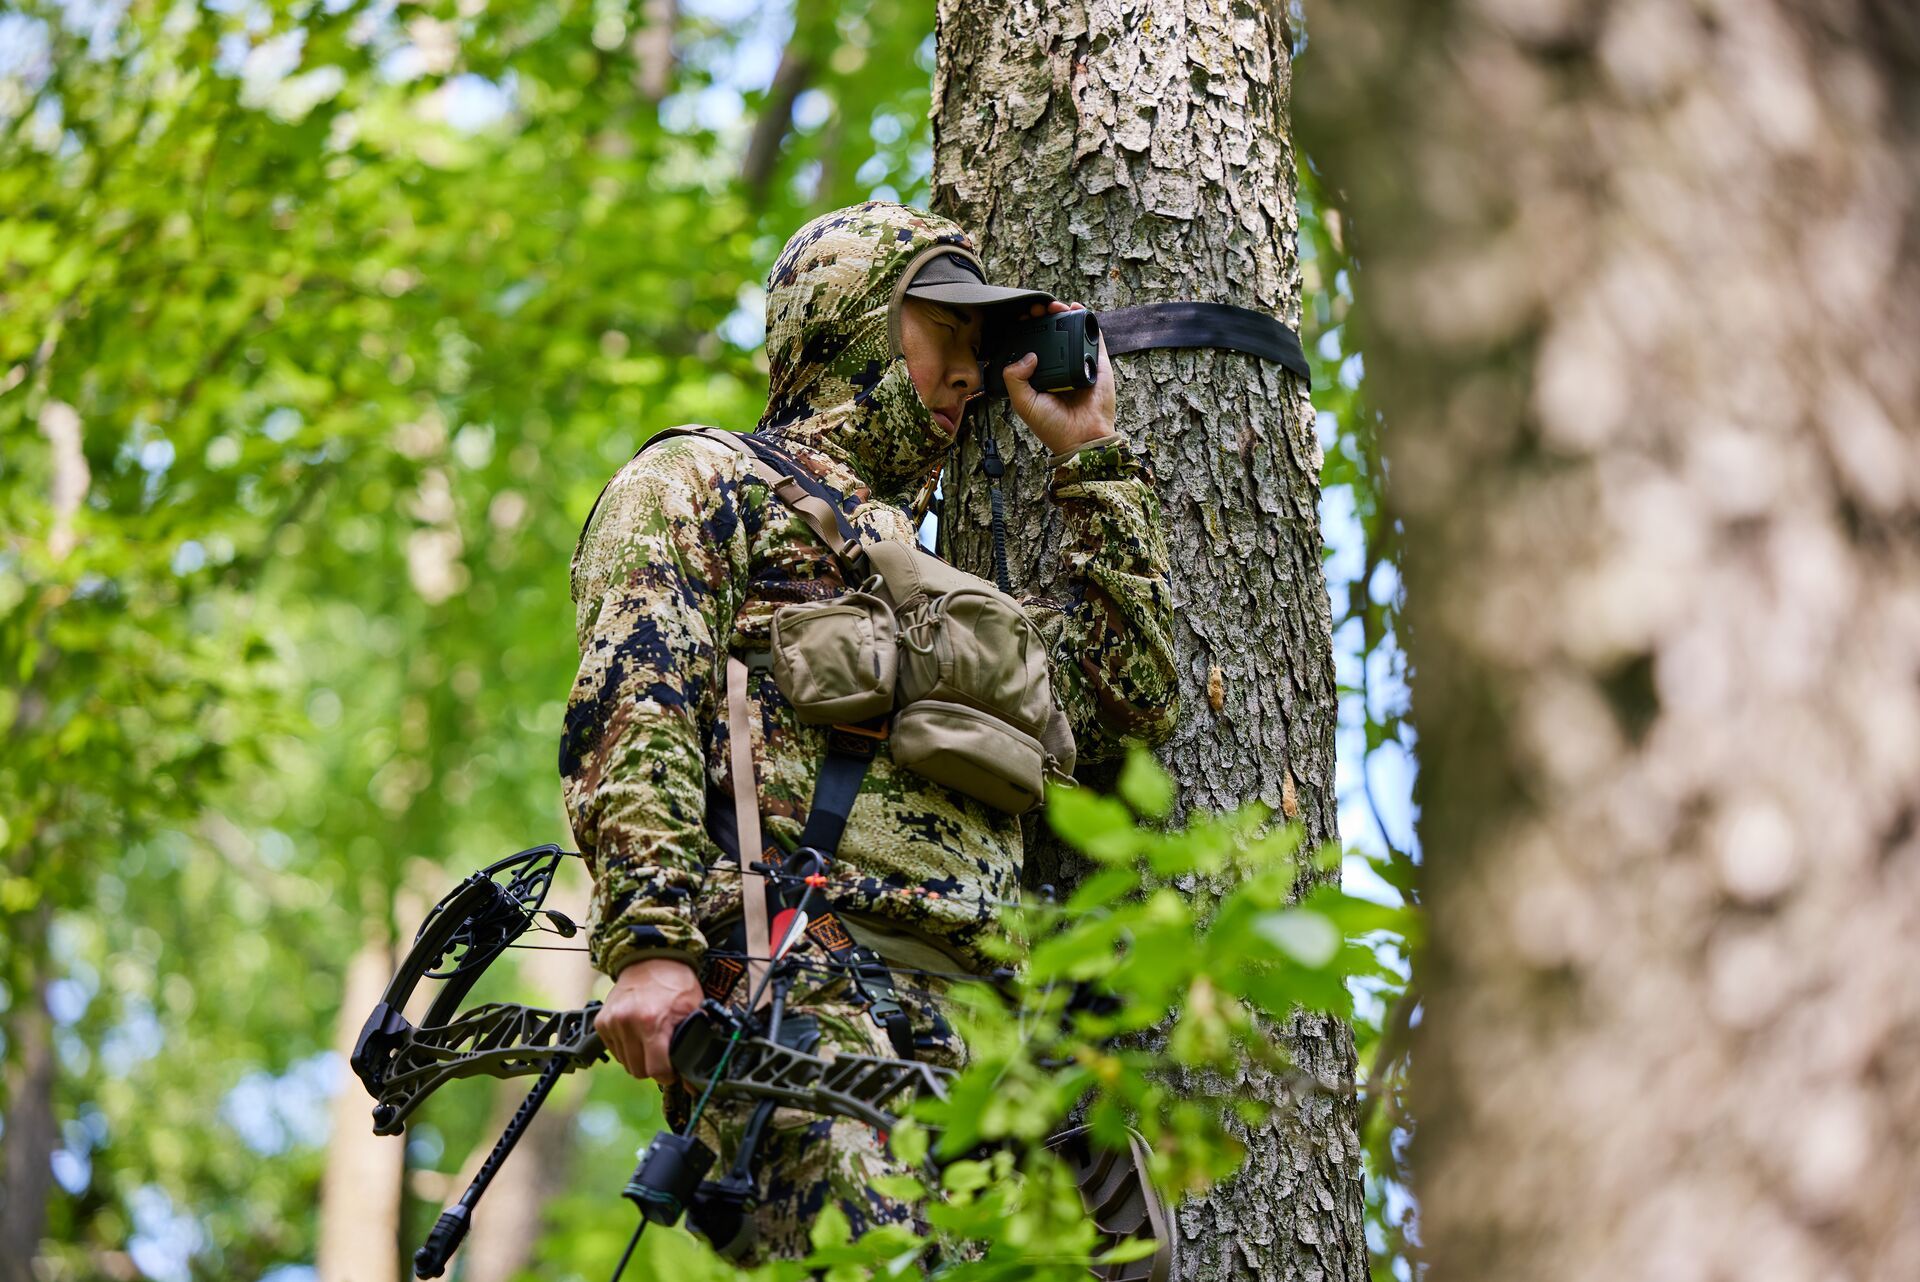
[[1144, 327], [1196, 324]]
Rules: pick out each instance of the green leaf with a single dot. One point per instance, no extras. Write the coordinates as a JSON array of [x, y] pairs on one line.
[[1086, 951], [1103, 888], [901, 1188], [1356, 916], [830, 1228], [1307, 937], [1125, 1250], [1095, 825], [909, 1142], [1145, 786], [965, 1177], [897, 1265]]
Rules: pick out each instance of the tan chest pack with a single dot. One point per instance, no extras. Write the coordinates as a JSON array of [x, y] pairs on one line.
[[955, 661]]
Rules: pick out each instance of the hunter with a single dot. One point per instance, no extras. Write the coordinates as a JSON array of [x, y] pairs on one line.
[[680, 569]]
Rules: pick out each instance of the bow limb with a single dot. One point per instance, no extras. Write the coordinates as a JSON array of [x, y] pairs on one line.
[[500, 1039], [401, 1064]]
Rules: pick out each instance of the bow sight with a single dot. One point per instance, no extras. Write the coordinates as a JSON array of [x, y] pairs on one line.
[[720, 1052]]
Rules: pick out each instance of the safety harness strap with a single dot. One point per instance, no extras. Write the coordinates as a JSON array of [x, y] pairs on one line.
[[870, 976], [850, 750]]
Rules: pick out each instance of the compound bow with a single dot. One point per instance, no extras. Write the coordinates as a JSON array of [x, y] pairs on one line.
[[401, 1063]]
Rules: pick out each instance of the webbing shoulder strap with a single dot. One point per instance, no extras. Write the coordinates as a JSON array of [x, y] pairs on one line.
[[817, 502], [746, 816]]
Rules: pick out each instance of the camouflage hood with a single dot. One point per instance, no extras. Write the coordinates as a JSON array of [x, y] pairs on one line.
[[839, 381]]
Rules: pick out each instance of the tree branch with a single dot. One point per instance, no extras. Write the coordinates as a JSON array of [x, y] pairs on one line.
[[770, 129]]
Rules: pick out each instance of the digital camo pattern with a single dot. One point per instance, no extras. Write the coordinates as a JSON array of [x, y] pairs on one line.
[[803, 1160], [834, 379], [686, 558]]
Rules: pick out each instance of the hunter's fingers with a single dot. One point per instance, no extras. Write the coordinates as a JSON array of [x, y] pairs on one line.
[[1016, 375], [659, 1063], [613, 1036]]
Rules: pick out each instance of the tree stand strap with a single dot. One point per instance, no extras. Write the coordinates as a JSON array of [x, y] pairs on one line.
[[1142, 328], [1195, 324]]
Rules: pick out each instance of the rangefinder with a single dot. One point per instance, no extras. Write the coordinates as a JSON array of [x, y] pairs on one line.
[[1068, 344]]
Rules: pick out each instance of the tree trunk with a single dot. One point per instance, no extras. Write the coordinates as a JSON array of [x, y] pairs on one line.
[[27, 1147], [1643, 289], [653, 49], [775, 119], [1128, 155], [360, 1190]]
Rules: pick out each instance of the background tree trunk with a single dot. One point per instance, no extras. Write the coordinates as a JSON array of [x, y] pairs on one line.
[[1643, 286], [1126, 154], [26, 1149], [361, 1189]]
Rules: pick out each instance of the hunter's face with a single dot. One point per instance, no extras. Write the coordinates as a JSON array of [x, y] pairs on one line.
[[941, 343]]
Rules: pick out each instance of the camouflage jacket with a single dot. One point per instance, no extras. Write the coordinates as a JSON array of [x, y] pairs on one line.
[[687, 556]]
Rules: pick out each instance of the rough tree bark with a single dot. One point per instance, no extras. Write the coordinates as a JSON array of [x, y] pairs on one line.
[[1120, 153], [1643, 289]]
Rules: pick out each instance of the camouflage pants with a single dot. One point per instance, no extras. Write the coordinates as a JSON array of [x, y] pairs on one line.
[[803, 1159]]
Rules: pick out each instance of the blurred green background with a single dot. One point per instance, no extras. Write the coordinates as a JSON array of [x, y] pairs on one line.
[[321, 325]]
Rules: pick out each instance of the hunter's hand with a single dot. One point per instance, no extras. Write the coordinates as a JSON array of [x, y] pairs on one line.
[[1064, 420], [647, 1003]]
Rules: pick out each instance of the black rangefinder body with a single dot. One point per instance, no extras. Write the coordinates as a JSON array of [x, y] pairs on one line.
[[1068, 344]]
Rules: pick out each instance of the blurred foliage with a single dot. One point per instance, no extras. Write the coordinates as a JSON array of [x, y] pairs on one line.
[[323, 324]]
